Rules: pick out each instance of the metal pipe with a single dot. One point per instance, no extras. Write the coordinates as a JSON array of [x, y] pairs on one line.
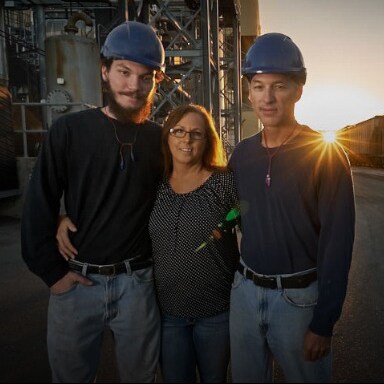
[[4, 77], [24, 128], [70, 27]]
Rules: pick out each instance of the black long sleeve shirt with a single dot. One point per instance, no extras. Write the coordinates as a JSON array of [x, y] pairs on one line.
[[305, 219], [80, 160]]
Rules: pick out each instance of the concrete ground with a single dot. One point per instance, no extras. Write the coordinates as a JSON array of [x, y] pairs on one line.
[[359, 335]]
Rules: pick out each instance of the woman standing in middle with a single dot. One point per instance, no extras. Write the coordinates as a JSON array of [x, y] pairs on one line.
[[193, 285]]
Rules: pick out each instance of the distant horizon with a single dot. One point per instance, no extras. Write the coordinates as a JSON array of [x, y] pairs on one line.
[[343, 47]]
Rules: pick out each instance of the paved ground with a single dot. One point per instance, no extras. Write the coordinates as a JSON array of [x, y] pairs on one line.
[[359, 336]]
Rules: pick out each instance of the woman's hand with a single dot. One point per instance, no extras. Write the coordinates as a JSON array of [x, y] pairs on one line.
[[66, 249]]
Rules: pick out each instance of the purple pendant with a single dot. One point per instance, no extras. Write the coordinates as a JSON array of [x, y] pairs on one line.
[[268, 180]]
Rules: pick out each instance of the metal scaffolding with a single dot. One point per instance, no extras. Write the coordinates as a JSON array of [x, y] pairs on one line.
[[201, 40], [202, 45]]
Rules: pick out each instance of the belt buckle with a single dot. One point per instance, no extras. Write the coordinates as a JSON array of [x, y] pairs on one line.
[[271, 281], [108, 270]]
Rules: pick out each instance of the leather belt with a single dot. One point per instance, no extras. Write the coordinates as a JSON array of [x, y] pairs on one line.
[[109, 269], [300, 281]]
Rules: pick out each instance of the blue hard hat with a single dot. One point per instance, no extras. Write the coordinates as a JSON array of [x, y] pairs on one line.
[[274, 53], [136, 42]]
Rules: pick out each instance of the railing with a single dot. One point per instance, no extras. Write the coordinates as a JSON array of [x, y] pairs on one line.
[[46, 119]]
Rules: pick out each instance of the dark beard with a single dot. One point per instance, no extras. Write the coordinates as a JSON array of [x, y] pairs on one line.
[[124, 115]]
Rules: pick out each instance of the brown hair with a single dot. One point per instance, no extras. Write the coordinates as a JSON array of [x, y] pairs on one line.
[[214, 157]]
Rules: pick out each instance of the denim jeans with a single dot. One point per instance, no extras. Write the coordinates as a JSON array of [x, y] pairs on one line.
[[190, 343], [267, 324], [126, 303]]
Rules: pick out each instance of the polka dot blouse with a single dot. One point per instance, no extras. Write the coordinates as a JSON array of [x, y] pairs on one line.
[[190, 283]]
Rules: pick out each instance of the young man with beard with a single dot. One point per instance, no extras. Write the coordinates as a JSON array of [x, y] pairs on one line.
[[106, 164]]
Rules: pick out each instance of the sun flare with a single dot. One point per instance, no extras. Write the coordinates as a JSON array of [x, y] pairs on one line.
[[329, 136]]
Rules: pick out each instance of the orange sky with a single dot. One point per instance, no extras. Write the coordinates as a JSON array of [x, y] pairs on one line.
[[342, 42]]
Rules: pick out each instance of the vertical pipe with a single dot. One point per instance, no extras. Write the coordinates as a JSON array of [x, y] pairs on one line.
[[8, 166], [216, 63], [206, 53], [250, 29], [4, 76], [24, 129], [236, 78], [39, 21], [126, 13]]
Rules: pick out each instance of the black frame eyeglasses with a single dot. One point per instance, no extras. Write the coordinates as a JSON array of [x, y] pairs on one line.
[[181, 133]]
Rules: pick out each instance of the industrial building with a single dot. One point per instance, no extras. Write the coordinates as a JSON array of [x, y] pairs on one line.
[[364, 142], [49, 66]]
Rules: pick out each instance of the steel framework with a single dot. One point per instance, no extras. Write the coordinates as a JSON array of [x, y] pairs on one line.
[[202, 44]]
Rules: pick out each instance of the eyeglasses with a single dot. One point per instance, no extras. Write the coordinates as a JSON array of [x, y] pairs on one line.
[[180, 133]]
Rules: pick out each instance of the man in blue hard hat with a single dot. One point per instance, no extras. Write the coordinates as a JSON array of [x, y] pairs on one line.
[[106, 163], [298, 218]]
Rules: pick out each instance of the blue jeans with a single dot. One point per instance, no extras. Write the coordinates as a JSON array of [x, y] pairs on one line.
[[271, 323], [190, 343], [125, 303]]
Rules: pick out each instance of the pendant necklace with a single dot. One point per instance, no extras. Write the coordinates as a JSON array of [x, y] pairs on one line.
[[123, 144], [271, 155]]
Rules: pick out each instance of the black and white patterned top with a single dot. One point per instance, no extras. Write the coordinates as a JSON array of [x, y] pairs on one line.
[[194, 284]]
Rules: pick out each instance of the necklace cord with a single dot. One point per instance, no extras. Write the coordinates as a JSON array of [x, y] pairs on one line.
[[270, 155], [123, 144]]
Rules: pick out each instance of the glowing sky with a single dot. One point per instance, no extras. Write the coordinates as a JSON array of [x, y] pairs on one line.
[[342, 42]]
